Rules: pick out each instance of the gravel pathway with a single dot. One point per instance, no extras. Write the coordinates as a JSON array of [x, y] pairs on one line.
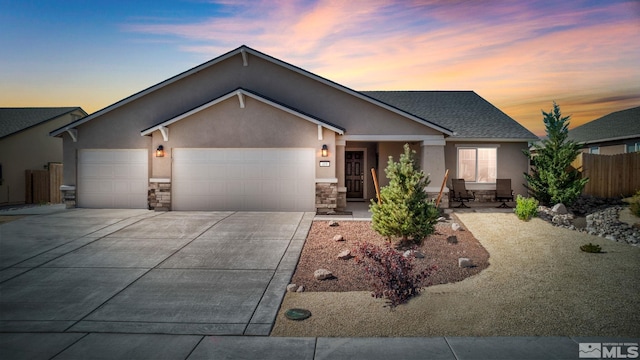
[[538, 283]]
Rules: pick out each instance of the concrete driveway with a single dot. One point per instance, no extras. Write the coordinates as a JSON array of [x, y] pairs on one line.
[[137, 271]]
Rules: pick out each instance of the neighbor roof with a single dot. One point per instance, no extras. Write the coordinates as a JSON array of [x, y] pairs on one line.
[[13, 120], [618, 125], [465, 112]]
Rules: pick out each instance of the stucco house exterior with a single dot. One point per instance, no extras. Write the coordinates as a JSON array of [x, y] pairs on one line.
[[615, 133], [246, 131], [25, 144]]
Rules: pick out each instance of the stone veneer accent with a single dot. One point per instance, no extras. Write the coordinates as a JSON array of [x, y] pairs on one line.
[[159, 194], [326, 197], [68, 196]]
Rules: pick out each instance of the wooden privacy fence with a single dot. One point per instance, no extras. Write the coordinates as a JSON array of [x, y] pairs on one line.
[[43, 186], [611, 175]]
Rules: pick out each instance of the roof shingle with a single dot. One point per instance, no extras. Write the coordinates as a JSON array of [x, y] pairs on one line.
[[465, 112], [13, 120], [617, 125]]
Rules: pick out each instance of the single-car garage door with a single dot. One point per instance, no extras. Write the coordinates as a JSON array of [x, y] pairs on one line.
[[243, 179], [113, 178]]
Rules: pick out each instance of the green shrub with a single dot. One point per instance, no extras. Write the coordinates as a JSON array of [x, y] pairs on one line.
[[405, 211], [526, 208], [635, 204], [591, 248]]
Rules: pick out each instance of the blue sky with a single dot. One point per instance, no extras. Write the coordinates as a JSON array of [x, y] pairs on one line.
[[519, 55]]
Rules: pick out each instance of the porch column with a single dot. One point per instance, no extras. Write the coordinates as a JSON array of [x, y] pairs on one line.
[[342, 190], [433, 164]]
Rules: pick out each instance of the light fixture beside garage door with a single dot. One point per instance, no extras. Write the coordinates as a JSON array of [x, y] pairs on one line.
[[325, 150], [160, 151]]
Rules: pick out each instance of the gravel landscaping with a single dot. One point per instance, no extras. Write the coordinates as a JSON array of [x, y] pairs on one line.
[[538, 283]]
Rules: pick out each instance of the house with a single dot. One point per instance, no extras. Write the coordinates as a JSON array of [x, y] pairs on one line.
[[246, 131], [25, 144], [615, 133]]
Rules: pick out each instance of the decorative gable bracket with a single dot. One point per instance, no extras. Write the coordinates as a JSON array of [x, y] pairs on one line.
[[73, 133], [165, 132]]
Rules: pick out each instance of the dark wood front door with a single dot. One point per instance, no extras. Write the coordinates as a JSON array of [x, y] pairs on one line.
[[354, 173]]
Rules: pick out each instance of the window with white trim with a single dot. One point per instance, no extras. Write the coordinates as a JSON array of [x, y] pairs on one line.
[[594, 150], [633, 147], [478, 164]]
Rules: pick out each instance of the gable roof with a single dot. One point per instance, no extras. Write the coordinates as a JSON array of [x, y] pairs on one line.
[[619, 125], [13, 120], [466, 113], [244, 51], [240, 92]]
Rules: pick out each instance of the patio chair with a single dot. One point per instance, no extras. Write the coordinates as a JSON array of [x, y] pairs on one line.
[[504, 192], [460, 192]]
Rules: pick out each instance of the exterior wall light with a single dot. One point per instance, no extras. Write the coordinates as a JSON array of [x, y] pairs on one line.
[[325, 151], [160, 151]]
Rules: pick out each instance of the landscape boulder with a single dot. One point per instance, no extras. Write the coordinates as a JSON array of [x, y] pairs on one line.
[[465, 263], [338, 238], [345, 255], [322, 274], [291, 287], [559, 209], [455, 226]]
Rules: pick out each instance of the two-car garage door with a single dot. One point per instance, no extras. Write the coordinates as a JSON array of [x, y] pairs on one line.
[[243, 179], [203, 179]]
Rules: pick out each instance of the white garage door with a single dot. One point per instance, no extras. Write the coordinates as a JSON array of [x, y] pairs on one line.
[[244, 179], [113, 179]]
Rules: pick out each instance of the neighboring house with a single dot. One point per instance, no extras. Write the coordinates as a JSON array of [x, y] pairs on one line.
[[25, 144], [246, 131], [615, 133]]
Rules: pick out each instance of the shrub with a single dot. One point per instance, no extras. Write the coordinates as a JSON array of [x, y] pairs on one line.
[[552, 179], [391, 273], [591, 248], [526, 208], [635, 204], [405, 210]]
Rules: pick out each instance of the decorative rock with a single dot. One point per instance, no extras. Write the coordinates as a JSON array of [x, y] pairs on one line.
[[334, 223], [345, 255], [452, 239], [338, 238], [322, 274], [291, 287], [559, 209], [300, 289], [441, 219], [464, 263], [455, 226], [416, 254]]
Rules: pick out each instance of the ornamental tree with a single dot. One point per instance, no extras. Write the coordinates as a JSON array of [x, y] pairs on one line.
[[552, 179], [404, 211]]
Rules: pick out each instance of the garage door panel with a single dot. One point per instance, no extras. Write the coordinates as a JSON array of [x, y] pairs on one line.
[[244, 179], [113, 178]]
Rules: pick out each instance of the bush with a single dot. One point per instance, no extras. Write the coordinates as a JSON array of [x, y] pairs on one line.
[[635, 204], [552, 179], [405, 210], [391, 273], [526, 208], [591, 248]]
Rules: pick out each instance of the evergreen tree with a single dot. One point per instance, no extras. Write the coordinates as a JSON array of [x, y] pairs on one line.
[[553, 180], [404, 210]]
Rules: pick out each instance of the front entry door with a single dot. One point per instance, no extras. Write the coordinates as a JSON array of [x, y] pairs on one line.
[[354, 175]]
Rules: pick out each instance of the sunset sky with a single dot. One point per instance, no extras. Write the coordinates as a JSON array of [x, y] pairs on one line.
[[519, 55]]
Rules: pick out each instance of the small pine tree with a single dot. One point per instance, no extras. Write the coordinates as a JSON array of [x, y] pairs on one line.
[[553, 180], [404, 210]]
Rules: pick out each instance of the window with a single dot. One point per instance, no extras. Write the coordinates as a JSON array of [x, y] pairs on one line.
[[594, 150], [633, 147], [478, 164]]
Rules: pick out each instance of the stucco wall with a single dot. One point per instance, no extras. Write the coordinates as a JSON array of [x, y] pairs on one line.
[[121, 128], [31, 149], [258, 125]]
